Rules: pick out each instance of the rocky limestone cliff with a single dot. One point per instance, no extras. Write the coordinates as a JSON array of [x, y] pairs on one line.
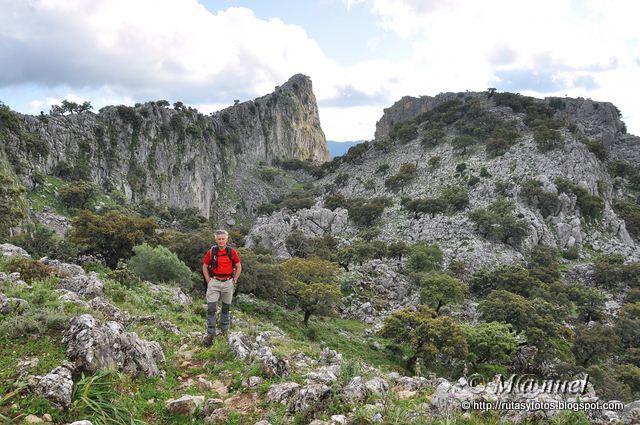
[[457, 235], [177, 156]]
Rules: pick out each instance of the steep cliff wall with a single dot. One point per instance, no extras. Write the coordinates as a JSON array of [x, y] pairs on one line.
[[176, 156]]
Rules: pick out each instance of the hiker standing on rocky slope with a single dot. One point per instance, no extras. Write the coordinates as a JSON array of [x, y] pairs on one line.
[[221, 269]]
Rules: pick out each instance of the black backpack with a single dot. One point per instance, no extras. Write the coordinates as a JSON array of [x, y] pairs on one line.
[[213, 261]]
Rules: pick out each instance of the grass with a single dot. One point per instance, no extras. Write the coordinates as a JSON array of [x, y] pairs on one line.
[[47, 196]]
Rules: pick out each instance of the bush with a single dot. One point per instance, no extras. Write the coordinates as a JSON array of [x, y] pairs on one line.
[[546, 202], [439, 289], [628, 325], [593, 343], [404, 131], [461, 143], [500, 142], [112, 235], [78, 194], [431, 206], [456, 197], [597, 148], [364, 212], [612, 273], [35, 322], [335, 200], [268, 174], [506, 277], [261, 276], [408, 172], [498, 223], [312, 285], [543, 263], [490, 343], [432, 339], [189, 247], [630, 213], [547, 139], [30, 270], [424, 257], [159, 265], [434, 161], [591, 206], [382, 168]]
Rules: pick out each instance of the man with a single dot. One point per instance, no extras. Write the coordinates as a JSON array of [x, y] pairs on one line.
[[221, 269]]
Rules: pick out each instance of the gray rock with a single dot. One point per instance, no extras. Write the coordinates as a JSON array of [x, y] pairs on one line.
[[252, 381], [84, 422], [307, 397], [631, 413], [92, 347], [169, 327], [65, 269], [377, 386], [176, 295], [211, 405], [338, 419], [8, 250], [355, 390], [282, 392], [86, 285], [330, 357], [110, 311], [12, 305], [67, 296], [323, 375], [240, 344], [185, 405], [56, 386], [411, 383], [60, 224]]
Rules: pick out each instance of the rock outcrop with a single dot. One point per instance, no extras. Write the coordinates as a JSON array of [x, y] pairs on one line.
[[175, 156], [93, 346]]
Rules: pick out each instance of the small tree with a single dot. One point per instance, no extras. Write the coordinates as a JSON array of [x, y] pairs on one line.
[[77, 194], [312, 285], [461, 143], [431, 338], [593, 343], [498, 223], [406, 174], [112, 235], [440, 289], [160, 265], [424, 257], [490, 342]]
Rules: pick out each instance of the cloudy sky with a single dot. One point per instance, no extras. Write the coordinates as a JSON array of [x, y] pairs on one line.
[[362, 55]]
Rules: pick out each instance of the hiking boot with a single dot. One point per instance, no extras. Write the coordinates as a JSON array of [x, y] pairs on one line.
[[208, 340]]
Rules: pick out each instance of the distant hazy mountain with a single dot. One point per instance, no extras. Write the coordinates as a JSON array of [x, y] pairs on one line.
[[340, 148]]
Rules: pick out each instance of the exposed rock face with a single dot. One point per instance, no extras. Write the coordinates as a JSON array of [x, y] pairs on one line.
[[177, 156], [12, 305], [86, 285], [405, 109], [185, 405], [92, 347], [56, 386], [176, 294], [8, 250], [503, 176]]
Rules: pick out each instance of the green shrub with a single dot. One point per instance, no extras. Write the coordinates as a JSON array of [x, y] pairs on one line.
[[424, 257], [30, 270], [97, 396], [456, 197], [628, 325], [461, 143], [547, 139], [335, 200], [14, 205], [432, 339], [506, 277], [77, 194], [382, 168], [160, 265], [112, 235], [404, 131], [440, 289], [364, 212], [543, 263], [407, 173], [593, 343], [490, 342], [431, 206], [190, 247], [498, 223], [597, 148], [546, 202], [262, 276], [268, 174], [34, 322], [474, 180], [434, 161], [500, 142], [630, 212], [611, 272], [312, 285]]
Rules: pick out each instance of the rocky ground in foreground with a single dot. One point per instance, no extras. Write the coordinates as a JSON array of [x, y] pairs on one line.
[[78, 345]]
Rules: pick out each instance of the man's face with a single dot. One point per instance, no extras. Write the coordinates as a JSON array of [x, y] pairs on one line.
[[221, 240]]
